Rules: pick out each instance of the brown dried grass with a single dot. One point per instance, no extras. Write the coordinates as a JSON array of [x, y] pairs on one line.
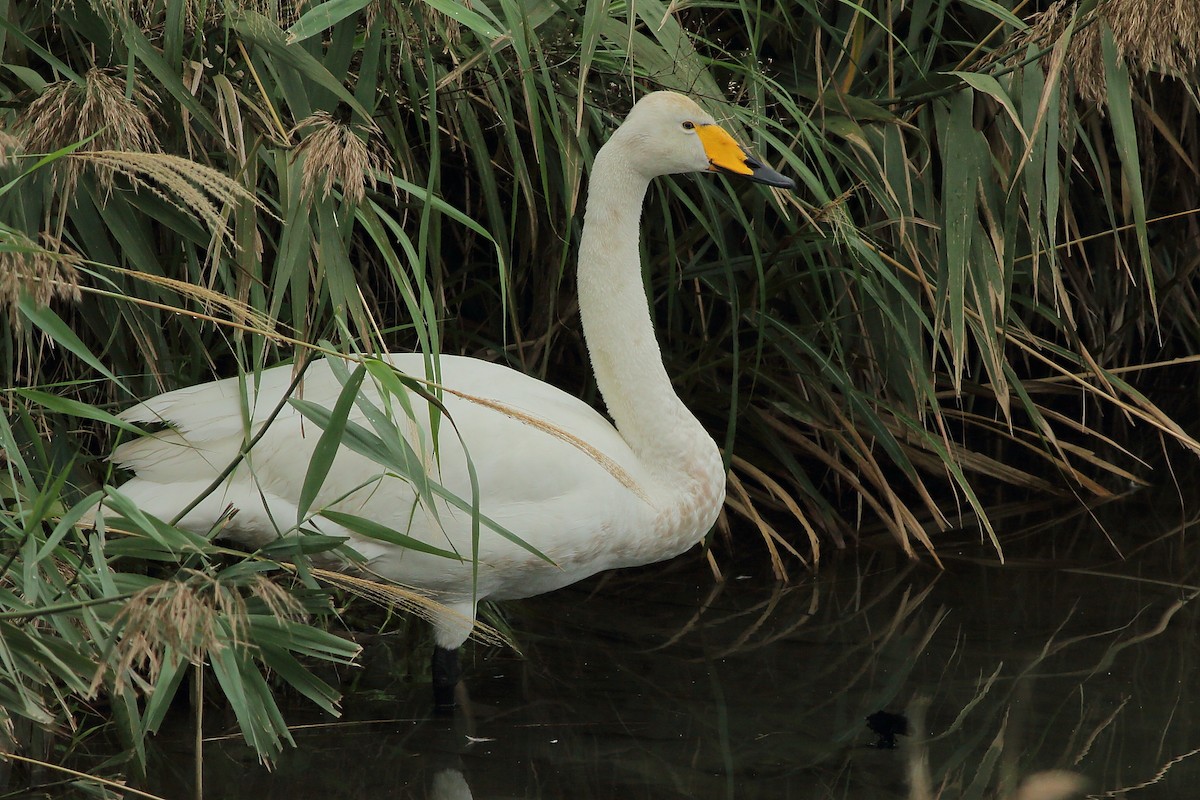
[[1044, 28], [1156, 34], [391, 14], [196, 13], [192, 616]]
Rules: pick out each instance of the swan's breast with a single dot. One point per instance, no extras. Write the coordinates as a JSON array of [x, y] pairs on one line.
[[697, 501]]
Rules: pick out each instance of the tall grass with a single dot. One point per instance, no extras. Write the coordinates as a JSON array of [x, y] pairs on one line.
[[994, 235]]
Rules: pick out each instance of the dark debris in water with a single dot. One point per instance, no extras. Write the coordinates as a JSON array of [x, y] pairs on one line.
[[887, 726]]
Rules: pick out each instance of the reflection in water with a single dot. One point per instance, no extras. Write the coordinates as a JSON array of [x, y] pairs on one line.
[[449, 784], [660, 684]]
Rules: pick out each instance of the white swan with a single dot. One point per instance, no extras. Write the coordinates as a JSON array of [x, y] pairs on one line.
[[637, 493]]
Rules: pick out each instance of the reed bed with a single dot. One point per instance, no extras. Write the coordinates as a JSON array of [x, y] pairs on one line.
[[969, 302]]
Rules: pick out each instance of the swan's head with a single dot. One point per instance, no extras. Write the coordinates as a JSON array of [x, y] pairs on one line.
[[666, 133]]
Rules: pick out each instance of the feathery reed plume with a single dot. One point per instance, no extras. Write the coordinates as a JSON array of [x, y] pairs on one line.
[[392, 16], [144, 15], [280, 603], [192, 616], [10, 147], [67, 112], [43, 272], [191, 187], [287, 11], [337, 152], [1150, 35], [210, 300], [1044, 28]]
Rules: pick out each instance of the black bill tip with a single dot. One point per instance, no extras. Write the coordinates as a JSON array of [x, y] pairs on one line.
[[761, 173]]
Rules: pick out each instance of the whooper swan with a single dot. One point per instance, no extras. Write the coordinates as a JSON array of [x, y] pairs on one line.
[[590, 496]]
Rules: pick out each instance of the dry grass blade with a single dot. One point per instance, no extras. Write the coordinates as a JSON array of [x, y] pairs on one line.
[[242, 313], [744, 504], [119, 787], [611, 466], [781, 495], [1135, 407], [405, 598], [919, 450], [740, 502], [801, 443]]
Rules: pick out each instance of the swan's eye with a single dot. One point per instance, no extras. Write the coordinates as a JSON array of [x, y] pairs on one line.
[[689, 125]]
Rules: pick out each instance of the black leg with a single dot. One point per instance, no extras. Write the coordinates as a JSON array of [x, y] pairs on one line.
[[446, 674]]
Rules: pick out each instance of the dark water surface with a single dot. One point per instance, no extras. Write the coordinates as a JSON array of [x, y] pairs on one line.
[[1080, 653]]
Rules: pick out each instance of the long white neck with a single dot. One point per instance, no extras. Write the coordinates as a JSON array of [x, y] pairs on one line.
[[616, 322]]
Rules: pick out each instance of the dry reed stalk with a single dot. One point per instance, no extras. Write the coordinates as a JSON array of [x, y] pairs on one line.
[[211, 301], [383, 593], [337, 153], [43, 272]]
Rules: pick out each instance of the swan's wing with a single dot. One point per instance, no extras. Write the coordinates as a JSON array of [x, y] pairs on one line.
[[206, 425], [532, 449]]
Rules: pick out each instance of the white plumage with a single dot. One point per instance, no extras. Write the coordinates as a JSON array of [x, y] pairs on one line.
[[550, 468]]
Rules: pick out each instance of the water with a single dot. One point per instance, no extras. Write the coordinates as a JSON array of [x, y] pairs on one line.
[[1081, 653]]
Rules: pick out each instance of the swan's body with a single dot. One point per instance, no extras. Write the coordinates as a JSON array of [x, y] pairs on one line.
[[597, 498], [554, 495]]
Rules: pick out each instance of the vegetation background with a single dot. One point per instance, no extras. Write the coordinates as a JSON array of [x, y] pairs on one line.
[[967, 306]]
